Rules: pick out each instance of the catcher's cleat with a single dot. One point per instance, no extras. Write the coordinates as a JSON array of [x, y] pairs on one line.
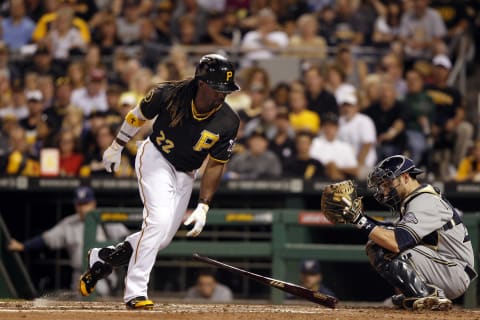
[[140, 303], [432, 303], [97, 270], [397, 300]]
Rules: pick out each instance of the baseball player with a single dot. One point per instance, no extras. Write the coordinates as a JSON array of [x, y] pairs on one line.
[[191, 121], [68, 234], [426, 253]]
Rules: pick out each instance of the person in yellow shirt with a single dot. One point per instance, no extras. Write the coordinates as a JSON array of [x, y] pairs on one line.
[[18, 161], [469, 167], [302, 119], [46, 21]]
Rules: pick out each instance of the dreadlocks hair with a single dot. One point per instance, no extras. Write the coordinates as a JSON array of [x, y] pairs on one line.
[[178, 98]]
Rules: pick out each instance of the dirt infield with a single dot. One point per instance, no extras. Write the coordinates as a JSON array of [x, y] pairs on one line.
[[42, 309]]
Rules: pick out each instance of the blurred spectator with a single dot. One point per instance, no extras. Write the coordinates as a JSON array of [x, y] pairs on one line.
[[61, 102], [355, 70], [265, 122], [47, 87], [93, 165], [263, 42], [319, 99], [19, 161], [306, 43], [17, 108], [387, 25], [163, 22], [280, 94], [419, 117], [76, 75], [283, 144], [420, 30], [208, 289], [256, 77], [128, 24], [469, 168], [302, 119], [216, 32], [63, 37], [68, 234], [336, 81], [454, 14], [370, 92], [92, 58], [7, 70], [452, 131], [191, 10], [327, 24], [351, 26], [70, 159], [311, 277], [256, 162], [105, 35], [73, 121], [392, 68], [257, 95], [46, 135], [93, 96], [48, 19], [35, 109], [358, 130], [17, 28], [42, 63], [337, 157], [302, 165], [387, 115]]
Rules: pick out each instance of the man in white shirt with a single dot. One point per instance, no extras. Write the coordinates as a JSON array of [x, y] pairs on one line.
[[337, 156], [93, 96], [262, 42], [358, 130]]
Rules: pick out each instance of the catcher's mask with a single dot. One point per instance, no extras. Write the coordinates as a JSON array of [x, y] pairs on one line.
[[380, 180], [218, 72]]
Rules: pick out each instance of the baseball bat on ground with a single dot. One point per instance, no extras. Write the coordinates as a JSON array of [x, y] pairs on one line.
[[296, 290]]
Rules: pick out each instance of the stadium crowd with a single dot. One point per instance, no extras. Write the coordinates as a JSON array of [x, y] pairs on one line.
[[70, 71]]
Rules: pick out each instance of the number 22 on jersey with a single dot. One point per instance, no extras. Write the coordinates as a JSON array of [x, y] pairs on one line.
[[165, 143]]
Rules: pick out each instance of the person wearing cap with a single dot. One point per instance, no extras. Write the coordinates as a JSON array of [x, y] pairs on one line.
[[283, 143], [311, 277], [358, 130], [68, 234], [208, 290], [338, 157], [93, 96], [35, 106], [452, 132], [191, 121]]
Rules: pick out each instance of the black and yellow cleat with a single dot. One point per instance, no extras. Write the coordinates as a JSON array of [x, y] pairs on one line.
[[89, 279], [140, 303]]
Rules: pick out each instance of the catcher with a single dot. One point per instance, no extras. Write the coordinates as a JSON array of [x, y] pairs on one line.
[[426, 253]]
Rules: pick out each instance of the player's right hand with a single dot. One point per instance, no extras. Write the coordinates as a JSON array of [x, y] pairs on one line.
[[112, 157]]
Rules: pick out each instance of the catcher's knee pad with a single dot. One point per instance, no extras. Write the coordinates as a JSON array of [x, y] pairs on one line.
[[400, 273], [377, 255], [120, 256]]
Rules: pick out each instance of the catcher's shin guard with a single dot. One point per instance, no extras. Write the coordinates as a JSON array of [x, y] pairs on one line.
[[419, 295], [119, 256]]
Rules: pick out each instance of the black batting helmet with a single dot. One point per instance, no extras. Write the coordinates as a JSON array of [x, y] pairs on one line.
[[218, 72], [386, 171]]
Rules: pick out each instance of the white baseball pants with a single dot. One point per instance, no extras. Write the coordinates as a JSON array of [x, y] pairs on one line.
[[165, 194]]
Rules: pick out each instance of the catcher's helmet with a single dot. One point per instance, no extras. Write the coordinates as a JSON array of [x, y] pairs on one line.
[[386, 171], [217, 72]]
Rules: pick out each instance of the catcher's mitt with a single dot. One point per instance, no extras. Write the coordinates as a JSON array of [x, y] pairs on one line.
[[340, 203]]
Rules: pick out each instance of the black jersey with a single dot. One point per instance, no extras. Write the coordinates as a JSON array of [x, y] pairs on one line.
[[186, 145]]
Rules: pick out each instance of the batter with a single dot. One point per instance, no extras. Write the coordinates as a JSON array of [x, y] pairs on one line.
[[192, 121]]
